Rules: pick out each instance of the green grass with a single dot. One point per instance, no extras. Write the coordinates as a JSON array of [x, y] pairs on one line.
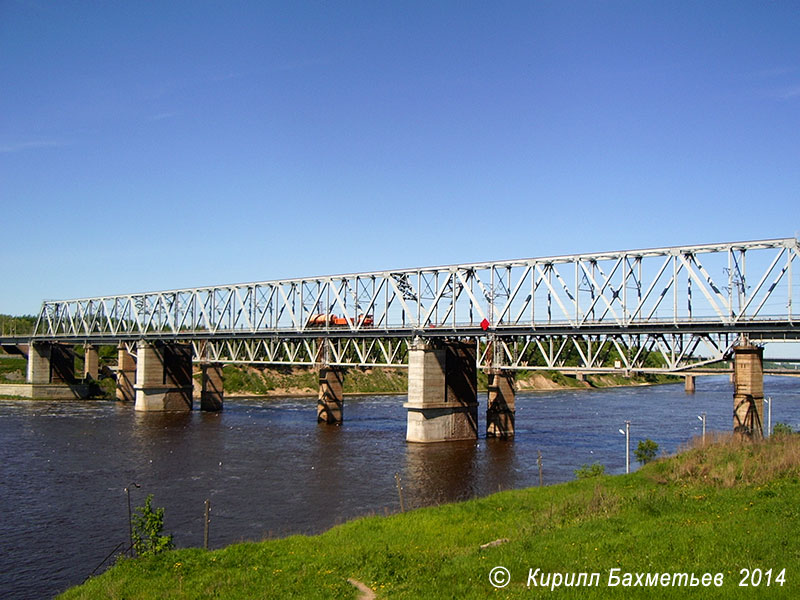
[[247, 379], [13, 369], [713, 510], [242, 379], [376, 381]]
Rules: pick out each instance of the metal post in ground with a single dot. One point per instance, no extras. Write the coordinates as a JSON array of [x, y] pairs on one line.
[[702, 417], [627, 434], [769, 416]]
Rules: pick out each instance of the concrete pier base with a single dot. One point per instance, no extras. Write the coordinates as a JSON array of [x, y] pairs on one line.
[[211, 394], [51, 374], [39, 363], [501, 406], [331, 398], [126, 375], [689, 384], [163, 377], [46, 391], [91, 362], [748, 391], [442, 392], [51, 363]]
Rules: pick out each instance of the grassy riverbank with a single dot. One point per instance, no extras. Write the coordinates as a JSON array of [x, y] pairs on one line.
[[281, 381], [716, 510], [13, 369]]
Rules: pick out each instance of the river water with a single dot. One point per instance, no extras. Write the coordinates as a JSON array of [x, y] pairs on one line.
[[269, 470]]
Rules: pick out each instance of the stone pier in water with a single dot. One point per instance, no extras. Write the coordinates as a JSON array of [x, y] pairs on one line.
[[331, 398], [442, 391], [163, 377], [748, 391], [501, 404]]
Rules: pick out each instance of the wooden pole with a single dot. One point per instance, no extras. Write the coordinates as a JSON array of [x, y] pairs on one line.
[[399, 491], [207, 521], [539, 462], [130, 522]]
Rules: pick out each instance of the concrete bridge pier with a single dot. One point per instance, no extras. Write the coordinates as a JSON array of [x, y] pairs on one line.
[[442, 391], [689, 384], [50, 363], [501, 406], [62, 364], [211, 394], [163, 377], [126, 374], [39, 363], [51, 373], [748, 391], [91, 362], [331, 399]]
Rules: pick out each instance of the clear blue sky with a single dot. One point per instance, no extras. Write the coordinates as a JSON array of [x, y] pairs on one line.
[[153, 145]]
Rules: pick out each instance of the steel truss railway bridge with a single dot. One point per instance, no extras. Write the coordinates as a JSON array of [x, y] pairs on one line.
[[636, 311]]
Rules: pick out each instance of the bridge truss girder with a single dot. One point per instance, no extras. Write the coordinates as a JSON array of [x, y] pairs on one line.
[[637, 353], [724, 285], [640, 353], [685, 304]]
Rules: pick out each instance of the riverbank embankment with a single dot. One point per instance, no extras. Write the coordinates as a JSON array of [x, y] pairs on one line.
[[250, 380], [718, 519]]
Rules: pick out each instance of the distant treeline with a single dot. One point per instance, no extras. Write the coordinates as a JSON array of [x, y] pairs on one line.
[[17, 325]]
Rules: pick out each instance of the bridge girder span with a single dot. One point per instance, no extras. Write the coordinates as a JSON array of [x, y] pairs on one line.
[[578, 353], [679, 302]]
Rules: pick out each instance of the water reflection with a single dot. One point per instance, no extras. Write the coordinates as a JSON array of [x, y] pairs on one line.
[[440, 472], [500, 468], [328, 481]]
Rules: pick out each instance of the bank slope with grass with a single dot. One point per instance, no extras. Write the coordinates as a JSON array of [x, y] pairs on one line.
[[252, 380], [714, 510]]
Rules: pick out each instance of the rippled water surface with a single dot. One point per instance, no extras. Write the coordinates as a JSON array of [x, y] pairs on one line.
[[270, 470]]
